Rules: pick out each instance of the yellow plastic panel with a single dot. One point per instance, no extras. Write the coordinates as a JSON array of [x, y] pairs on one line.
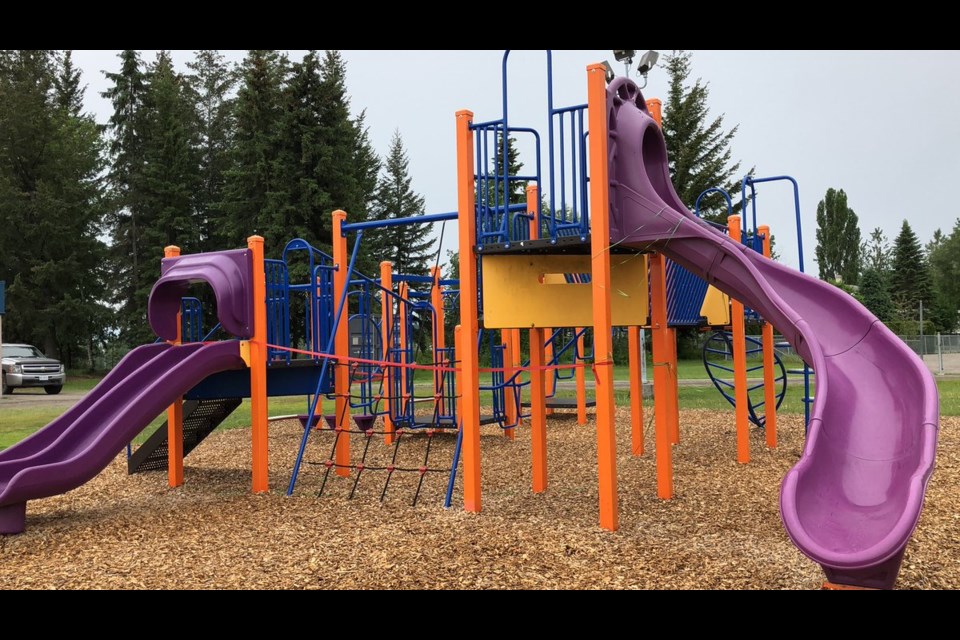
[[522, 291], [716, 307]]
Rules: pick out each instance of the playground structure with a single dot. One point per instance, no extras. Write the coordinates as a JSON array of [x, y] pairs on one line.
[[611, 223]]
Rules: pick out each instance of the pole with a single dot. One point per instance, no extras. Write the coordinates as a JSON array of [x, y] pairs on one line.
[[538, 414], [739, 362], [469, 356], [940, 351], [922, 346], [341, 346], [258, 370], [175, 411], [600, 291], [386, 325], [769, 386]]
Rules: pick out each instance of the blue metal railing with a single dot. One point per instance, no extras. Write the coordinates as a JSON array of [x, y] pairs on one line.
[[278, 309], [191, 320]]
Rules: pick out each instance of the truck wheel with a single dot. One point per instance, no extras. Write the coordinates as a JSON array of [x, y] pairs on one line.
[[53, 390], [6, 390]]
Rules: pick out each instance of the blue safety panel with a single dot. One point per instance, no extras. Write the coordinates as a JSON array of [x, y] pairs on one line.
[[3, 297], [282, 380], [685, 294]]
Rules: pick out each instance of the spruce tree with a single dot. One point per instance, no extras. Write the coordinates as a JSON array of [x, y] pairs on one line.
[[171, 168], [699, 147], [52, 202], [875, 252], [910, 276], [875, 295], [67, 82], [126, 128], [366, 165], [838, 239], [945, 272], [409, 247], [253, 181], [211, 83]]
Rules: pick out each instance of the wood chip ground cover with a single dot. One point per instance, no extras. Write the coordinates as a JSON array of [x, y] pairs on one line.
[[722, 530]]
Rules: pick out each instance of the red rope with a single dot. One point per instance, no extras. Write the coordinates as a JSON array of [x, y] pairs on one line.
[[437, 368]]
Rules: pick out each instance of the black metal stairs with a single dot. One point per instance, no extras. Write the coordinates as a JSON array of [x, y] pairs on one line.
[[200, 418]]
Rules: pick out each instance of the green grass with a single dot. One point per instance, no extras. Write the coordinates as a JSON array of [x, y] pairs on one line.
[[17, 422]]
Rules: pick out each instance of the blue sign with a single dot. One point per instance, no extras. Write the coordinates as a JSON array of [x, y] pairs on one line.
[[3, 299]]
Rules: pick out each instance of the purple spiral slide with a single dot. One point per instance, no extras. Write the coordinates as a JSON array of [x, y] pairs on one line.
[[854, 498]]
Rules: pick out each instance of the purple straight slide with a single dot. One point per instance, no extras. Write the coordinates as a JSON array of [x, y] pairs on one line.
[[854, 498], [81, 443]]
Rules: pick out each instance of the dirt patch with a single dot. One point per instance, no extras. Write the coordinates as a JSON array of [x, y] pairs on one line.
[[723, 530]]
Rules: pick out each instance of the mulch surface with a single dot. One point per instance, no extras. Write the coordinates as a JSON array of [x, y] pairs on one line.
[[722, 530]]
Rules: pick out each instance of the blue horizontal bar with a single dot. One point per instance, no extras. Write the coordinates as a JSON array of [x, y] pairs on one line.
[[513, 207], [399, 222], [578, 107], [413, 278], [487, 124]]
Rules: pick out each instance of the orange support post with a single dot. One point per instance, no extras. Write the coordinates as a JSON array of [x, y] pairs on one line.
[[341, 347], [655, 107], [549, 376], [538, 416], [533, 200], [470, 388], [509, 407], [386, 324], [533, 230], [581, 376], [436, 299], [662, 386], [175, 411], [769, 386], [515, 365], [636, 390], [739, 362], [600, 274], [258, 370]]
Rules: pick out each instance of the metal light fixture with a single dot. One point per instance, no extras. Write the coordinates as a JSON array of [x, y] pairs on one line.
[[608, 72], [625, 56], [648, 62]]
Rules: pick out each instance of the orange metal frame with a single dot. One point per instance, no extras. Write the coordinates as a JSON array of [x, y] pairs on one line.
[[258, 371], [739, 361], [469, 358], [600, 277], [769, 386], [386, 324], [175, 412], [341, 348]]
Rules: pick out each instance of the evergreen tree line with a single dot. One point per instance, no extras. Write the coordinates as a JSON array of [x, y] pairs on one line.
[[201, 159], [893, 280]]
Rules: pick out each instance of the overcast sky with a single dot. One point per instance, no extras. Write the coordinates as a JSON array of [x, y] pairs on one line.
[[880, 125]]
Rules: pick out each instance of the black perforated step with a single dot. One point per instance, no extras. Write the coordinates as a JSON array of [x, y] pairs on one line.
[[200, 418]]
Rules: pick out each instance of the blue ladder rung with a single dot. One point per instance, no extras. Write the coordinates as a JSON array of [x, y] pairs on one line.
[[720, 351], [723, 368]]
